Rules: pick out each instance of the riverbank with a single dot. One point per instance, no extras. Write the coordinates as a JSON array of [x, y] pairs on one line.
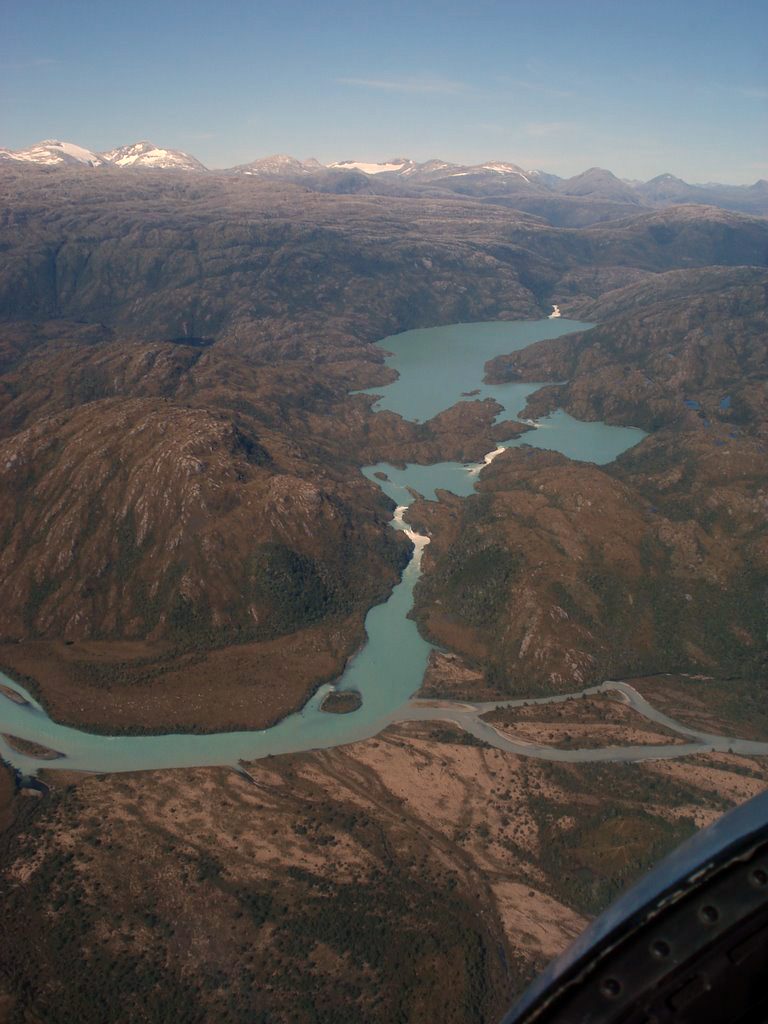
[[142, 689], [7, 795], [347, 867]]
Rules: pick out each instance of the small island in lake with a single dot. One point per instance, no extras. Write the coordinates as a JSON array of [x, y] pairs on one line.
[[342, 702], [12, 695]]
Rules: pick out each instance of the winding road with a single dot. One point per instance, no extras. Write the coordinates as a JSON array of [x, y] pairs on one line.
[[469, 718]]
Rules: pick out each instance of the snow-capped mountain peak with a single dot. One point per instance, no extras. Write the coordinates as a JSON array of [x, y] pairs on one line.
[[500, 167], [52, 152], [147, 154]]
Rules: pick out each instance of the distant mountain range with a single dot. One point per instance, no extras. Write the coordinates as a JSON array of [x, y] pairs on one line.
[[594, 195], [53, 153]]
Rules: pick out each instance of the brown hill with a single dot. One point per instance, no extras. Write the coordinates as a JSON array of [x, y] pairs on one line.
[[561, 574]]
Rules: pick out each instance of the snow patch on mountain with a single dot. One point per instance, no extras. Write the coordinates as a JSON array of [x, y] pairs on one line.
[[371, 168]]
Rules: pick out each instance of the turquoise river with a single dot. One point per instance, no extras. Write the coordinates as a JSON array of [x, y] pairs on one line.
[[436, 367]]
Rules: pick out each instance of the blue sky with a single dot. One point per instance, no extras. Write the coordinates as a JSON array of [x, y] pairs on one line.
[[640, 88]]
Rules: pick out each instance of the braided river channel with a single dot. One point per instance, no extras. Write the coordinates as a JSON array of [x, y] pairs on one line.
[[436, 367]]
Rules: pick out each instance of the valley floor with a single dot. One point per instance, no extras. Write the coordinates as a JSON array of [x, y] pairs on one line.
[[338, 885]]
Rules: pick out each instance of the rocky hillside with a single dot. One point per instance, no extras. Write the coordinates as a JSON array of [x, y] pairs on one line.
[[560, 574], [185, 257]]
